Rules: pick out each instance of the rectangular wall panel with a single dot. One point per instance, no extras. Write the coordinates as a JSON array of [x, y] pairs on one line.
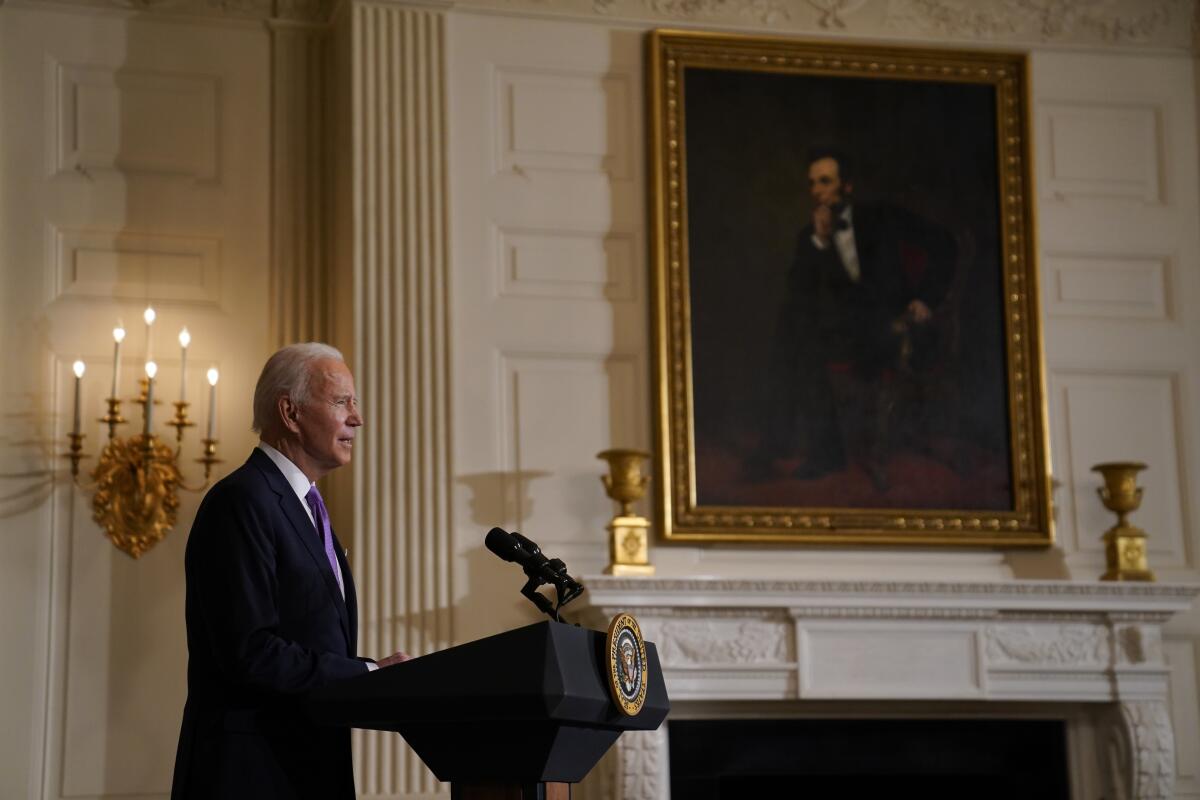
[[1097, 150], [565, 265], [559, 120], [901, 660], [1122, 417], [107, 265], [563, 410], [1107, 286], [135, 121]]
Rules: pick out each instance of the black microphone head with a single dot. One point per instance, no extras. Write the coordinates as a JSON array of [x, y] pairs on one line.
[[502, 543], [526, 544]]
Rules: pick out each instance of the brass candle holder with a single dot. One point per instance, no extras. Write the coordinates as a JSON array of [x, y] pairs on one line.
[[629, 533], [1124, 544], [180, 420], [136, 480]]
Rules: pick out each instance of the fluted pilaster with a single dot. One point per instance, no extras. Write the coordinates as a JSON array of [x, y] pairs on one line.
[[300, 184], [398, 231]]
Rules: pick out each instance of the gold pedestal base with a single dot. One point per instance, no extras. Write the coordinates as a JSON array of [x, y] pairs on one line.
[[1125, 554], [629, 546]]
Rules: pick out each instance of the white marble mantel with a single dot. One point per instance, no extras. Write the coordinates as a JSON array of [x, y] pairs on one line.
[[1004, 642]]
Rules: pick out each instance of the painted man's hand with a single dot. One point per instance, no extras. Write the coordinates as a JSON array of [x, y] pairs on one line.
[[823, 223], [394, 658]]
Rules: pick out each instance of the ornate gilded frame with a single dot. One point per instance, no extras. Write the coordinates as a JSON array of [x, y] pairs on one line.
[[680, 518]]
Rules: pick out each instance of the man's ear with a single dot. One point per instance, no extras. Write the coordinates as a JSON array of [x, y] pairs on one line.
[[289, 412]]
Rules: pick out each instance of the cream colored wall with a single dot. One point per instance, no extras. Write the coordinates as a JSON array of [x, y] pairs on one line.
[[549, 303], [544, 318], [135, 162]]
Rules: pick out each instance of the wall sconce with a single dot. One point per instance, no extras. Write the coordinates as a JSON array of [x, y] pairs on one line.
[[137, 479]]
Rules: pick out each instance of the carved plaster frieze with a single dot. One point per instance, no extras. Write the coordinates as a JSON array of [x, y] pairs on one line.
[[718, 641], [311, 11], [1161, 24], [1047, 645], [1075, 21]]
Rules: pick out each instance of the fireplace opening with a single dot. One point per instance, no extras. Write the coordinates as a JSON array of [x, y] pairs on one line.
[[933, 759]]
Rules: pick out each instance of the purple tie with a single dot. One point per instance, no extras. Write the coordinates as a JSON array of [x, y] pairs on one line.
[[322, 519]]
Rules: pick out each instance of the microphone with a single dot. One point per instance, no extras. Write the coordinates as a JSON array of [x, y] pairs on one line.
[[522, 551]]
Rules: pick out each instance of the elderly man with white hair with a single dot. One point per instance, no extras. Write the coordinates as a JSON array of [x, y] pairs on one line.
[[271, 609]]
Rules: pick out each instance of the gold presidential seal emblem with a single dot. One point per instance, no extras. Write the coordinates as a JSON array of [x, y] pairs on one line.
[[627, 664]]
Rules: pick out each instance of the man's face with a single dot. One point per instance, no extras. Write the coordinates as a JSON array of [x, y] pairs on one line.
[[327, 422], [825, 183]]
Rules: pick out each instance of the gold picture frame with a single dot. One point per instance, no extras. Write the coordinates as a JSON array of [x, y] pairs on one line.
[[948, 448]]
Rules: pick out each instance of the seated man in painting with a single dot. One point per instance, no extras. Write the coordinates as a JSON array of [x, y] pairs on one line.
[[863, 291]]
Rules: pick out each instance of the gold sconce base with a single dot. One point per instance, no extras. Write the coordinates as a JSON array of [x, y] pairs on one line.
[[1125, 554], [1124, 544], [136, 499], [629, 546]]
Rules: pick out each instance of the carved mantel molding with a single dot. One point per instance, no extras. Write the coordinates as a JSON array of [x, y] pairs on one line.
[[1089, 644]]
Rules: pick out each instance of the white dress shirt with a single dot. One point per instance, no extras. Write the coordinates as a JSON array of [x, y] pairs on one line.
[[843, 240]]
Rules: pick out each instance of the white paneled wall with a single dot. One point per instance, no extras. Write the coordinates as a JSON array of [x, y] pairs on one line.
[[138, 168], [136, 163], [550, 354]]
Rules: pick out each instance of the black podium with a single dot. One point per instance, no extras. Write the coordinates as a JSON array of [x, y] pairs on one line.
[[518, 715]]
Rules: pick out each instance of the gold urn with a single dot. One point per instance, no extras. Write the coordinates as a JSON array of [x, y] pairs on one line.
[[629, 533], [1124, 544]]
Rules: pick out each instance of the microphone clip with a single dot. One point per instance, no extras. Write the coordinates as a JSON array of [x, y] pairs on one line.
[[542, 571]]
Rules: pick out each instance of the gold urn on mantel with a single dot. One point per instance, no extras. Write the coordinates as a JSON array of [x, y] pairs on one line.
[[629, 533], [1124, 544]]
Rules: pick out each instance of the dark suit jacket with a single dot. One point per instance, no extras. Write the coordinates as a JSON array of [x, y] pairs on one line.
[[902, 257], [265, 623]]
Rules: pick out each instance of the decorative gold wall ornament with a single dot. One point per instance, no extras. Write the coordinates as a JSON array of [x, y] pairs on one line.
[[629, 533], [1124, 544], [136, 480]]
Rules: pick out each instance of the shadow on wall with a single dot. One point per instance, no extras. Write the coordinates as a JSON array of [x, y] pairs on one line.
[[493, 603]]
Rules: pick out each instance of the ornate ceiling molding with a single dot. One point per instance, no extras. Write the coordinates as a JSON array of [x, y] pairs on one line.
[[1137, 24], [307, 11], [1168, 25]]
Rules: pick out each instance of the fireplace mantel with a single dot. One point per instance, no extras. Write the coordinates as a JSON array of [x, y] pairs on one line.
[[1050, 642]]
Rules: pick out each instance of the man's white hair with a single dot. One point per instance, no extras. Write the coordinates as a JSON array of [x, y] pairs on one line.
[[287, 373]]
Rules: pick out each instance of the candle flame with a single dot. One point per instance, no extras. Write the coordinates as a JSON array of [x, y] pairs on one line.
[[213, 375], [79, 367], [149, 315], [185, 338], [151, 369], [119, 334]]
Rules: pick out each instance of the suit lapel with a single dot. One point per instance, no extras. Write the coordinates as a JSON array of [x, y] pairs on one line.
[[306, 532]]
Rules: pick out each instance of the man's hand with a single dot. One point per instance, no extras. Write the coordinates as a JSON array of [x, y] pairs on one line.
[[394, 658], [918, 312], [823, 223]]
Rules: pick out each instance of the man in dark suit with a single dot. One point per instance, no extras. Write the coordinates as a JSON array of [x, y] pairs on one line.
[[271, 609], [863, 289]]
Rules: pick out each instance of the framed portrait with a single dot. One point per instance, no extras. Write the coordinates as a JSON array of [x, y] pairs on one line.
[[847, 343]]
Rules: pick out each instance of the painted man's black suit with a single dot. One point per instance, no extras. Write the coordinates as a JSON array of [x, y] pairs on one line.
[[265, 623], [830, 321]]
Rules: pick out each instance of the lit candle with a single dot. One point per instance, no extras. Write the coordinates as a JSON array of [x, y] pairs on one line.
[[118, 337], [151, 371], [185, 339], [213, 375], [149, 316], [79, 367]]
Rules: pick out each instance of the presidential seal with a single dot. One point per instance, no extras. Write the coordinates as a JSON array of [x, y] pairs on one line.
[[626, 664]]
